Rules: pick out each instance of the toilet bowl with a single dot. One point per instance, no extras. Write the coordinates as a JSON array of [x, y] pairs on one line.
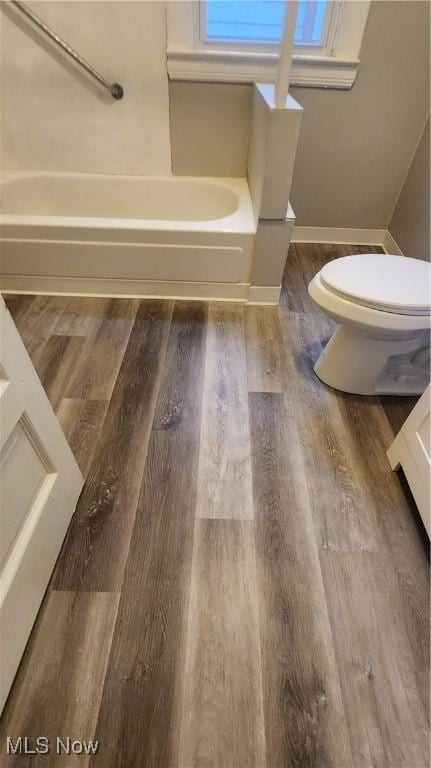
[[383, 306]]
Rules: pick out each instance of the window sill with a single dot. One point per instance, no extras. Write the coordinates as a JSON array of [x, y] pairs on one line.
[[247, 67]]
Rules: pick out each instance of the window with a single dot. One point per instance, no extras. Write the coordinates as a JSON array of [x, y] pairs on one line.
[[261, 21], [238, 41]]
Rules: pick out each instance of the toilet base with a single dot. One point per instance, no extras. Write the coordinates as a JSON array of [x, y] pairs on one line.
[[362, 365]]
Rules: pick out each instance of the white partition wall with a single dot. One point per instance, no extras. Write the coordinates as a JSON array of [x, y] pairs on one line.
[[271, 158], [273, 143]]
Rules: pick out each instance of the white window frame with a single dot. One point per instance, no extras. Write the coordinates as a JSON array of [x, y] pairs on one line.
[[192, 58]]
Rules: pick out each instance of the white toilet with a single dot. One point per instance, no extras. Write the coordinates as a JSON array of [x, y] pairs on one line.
[[383, 305]]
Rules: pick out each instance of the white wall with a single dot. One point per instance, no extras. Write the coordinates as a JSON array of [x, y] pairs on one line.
[[54, 118]]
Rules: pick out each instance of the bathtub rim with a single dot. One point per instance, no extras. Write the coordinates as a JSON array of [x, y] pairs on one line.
[[241, 221]]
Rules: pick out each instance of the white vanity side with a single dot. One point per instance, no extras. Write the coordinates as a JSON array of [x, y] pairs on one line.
[[411, 450]]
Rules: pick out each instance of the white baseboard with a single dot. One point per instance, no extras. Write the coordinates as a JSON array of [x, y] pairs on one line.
[[118, 288], [390, 245], [139, 289], [346, 236], [264, 294]]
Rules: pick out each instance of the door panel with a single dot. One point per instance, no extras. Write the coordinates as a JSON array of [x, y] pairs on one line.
[[22, 473], [40, 484]]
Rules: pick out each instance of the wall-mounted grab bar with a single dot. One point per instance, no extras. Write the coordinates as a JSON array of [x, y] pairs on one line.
[[114, 88]]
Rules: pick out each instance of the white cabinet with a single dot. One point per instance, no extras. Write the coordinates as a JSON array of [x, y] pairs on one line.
[[411, 450]]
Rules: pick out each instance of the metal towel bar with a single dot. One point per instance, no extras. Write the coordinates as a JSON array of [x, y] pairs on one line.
[[114, 88]]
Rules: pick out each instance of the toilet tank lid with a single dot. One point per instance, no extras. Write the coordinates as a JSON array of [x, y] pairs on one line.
[[381, 281]]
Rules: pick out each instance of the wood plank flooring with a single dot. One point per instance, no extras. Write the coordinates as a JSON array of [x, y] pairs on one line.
[[304, 714], [221, 708], [70, 649], [224, 477], [136, 714], [245, 583]]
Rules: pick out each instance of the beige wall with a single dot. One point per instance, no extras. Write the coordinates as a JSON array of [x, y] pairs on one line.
[[55, 118], [210, 128], [354, 147], [410, 223]]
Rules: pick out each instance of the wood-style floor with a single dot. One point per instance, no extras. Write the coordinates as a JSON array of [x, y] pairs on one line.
[[245, 582]]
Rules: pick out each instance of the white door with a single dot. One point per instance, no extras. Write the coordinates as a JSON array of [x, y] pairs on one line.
[[40, 484]]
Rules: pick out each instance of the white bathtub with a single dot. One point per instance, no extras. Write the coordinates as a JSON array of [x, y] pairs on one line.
[[126, 235]]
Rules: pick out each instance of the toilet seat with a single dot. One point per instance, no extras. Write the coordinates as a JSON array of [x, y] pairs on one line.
[[343, 309], [393, 284]]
